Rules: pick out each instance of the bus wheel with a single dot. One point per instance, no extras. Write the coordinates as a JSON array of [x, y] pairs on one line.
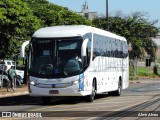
[[90, 98], [46, 100], [118, 91]]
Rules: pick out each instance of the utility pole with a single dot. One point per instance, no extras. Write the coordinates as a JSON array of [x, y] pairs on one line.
[[107, 21]]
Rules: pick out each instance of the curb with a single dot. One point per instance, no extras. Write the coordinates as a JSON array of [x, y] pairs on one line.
[[144, 81]]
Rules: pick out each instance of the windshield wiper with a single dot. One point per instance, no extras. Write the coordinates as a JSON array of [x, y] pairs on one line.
[[65, 72]]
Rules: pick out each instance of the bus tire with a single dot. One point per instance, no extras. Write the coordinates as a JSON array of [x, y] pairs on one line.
[[46, 100], [90, 98], [118, 91]]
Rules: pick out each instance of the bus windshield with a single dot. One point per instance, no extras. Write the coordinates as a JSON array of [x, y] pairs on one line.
[[55, 57]]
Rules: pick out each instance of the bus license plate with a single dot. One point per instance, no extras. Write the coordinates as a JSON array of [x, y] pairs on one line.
[[53, 92]]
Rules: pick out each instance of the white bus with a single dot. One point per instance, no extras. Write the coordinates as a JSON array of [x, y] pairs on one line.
[[100, 65]]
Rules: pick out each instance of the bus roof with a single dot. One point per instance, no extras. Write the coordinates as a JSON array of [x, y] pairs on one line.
[[71, 31]]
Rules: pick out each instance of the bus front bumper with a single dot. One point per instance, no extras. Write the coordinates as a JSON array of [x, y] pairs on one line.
[[68, 91]]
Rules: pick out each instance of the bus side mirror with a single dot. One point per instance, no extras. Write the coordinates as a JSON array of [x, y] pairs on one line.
[[84, 47]]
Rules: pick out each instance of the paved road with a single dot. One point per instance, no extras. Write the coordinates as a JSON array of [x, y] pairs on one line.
[[139, 97]]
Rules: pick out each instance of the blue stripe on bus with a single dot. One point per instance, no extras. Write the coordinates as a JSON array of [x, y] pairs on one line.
[[81, 82]]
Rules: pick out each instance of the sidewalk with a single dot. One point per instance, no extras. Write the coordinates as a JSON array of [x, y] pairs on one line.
[[23, 90], [145, 80]]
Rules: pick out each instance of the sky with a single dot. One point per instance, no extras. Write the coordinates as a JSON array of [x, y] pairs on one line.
[[151, 7]]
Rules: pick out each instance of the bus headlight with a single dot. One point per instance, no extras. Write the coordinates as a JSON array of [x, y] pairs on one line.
[[33, 83], [75, 82]]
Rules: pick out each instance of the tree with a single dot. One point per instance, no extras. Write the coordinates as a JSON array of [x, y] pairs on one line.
[[19, 19], [50, 14], [136, 29], [17, 23]]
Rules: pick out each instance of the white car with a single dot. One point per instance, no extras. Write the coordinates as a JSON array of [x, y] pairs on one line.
[[6, 65], [20, 71]]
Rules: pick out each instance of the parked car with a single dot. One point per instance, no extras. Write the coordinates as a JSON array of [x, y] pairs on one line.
[[6, 65], [5, 78], [19, 81], [20, 72]]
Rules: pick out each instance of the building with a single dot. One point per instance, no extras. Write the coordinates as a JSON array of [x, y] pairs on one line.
[[86, 13]]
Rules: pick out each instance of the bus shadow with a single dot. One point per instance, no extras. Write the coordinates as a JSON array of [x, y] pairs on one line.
[[27, 100], [74, 100]]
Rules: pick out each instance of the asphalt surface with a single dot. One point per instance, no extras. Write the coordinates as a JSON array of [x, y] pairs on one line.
[[141, 95]]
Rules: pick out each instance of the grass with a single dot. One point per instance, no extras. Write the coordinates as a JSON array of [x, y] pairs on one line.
[[143, 72]]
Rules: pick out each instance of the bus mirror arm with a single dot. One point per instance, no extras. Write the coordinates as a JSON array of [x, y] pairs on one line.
[[84, 47], [22, 50]]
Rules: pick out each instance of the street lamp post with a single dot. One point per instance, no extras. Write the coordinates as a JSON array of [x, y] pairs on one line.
[[107, 15]]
